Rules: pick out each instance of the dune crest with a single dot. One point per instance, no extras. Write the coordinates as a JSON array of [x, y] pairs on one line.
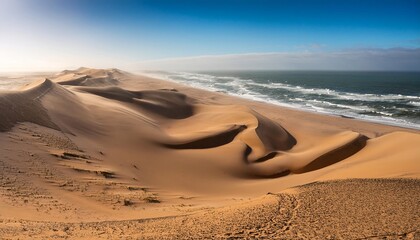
[[90, 77], [165, 103], [25, 106]]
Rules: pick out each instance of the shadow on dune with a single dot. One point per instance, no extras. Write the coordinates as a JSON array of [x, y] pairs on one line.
[[165, 103], [25, 106], [282, 163], [210, 141], [335, 156]]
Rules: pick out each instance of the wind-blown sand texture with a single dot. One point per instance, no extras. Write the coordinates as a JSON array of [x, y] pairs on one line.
[[95, 153]]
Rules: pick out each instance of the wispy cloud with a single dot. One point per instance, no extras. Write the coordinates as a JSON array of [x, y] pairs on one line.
[[393, 59]]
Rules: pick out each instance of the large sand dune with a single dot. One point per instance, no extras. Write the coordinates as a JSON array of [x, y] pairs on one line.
[[87, 146]]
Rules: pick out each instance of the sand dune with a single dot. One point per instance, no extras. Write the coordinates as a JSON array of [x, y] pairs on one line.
[[105, 145], [25, 106], [90, 77], [165, 103]]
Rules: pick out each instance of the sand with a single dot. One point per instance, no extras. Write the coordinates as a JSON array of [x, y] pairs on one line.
[[102, 153]]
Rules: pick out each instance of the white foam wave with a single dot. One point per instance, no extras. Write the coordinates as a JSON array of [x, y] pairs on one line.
[[417, 104], [308, 100], [337, 94]]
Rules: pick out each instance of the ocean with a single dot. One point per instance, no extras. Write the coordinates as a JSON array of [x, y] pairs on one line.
[[386, 97]]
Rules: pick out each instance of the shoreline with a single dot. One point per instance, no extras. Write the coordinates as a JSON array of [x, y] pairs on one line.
[[249, 101], [360, 117]]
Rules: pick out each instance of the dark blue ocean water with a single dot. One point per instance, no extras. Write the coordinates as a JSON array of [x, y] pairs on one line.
[[386, 97]]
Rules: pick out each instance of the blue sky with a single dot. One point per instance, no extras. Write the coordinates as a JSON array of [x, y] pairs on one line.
[[56, 34]]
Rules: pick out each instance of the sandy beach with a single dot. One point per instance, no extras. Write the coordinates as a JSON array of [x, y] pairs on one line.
[[107, 154]]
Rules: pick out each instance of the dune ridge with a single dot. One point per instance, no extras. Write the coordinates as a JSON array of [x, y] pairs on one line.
[[25, 106], [107, 145], [166, 103], [90, 77]]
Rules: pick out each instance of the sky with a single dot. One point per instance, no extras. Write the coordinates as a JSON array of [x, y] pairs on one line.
[[50, 35]]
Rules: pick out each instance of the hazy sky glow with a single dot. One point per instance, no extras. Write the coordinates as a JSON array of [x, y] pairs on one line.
[[57, 34]]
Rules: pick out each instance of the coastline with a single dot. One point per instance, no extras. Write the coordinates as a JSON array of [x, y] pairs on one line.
[[268, 100], [233, 99]]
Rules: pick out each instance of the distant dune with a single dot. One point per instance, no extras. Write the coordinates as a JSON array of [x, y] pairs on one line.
[[87, 153]]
